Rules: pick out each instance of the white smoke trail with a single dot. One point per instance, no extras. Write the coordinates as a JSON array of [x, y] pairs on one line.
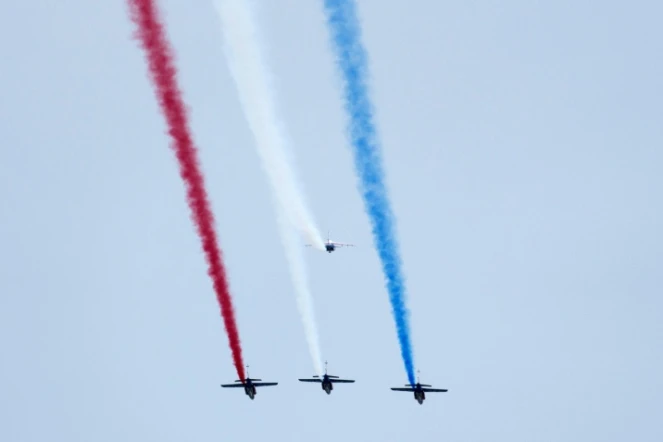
[[242, 49]]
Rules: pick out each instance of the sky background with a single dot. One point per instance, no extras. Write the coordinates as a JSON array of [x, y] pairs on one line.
[[523, 149]]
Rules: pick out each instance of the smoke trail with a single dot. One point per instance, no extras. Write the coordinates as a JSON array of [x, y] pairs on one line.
[[251, 77], [346, 36], [164, 76]]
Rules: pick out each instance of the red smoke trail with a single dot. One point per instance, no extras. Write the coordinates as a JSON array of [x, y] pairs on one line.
[[163, 73]]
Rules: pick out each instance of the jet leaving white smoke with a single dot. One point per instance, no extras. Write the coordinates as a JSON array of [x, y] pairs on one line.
[[242, 50]]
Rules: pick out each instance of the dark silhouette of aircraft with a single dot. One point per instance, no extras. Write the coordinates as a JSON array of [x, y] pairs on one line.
[[249, 385], [327, 381], [420, 390], [330, 245]]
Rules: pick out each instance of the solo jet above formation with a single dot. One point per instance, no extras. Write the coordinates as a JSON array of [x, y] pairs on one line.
[[327, 381], [330, 245], [249, 385], [420, 390]]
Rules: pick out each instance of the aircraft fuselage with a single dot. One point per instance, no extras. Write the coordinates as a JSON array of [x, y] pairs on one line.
[[330, 247], [250, 390]]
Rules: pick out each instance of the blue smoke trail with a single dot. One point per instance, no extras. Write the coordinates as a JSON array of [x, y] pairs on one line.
[[344, 27]]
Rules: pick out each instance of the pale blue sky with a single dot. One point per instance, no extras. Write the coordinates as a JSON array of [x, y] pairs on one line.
[[522, 143]]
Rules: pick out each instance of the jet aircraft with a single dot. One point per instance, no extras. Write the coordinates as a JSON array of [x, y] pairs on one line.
[[330, 245], [420, 390], [327, 381], [249, 385]]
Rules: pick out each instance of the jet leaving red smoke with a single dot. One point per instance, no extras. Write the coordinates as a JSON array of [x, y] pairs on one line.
[[163, 74]]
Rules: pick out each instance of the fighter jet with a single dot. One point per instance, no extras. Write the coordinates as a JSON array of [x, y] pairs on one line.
[[420, 390], [330, 245], [249, 385], [327, 381]]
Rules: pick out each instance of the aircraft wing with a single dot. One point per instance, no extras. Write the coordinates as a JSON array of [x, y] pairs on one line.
[[341, 244], [435, 390], [233, 385], [345, 381], [403, 389], [310, 380], [265, 384]]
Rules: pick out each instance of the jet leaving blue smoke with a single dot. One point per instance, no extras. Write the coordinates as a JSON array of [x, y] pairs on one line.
[[344, 27]]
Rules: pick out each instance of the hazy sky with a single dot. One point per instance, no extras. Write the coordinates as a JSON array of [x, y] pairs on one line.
[[523, 150]]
